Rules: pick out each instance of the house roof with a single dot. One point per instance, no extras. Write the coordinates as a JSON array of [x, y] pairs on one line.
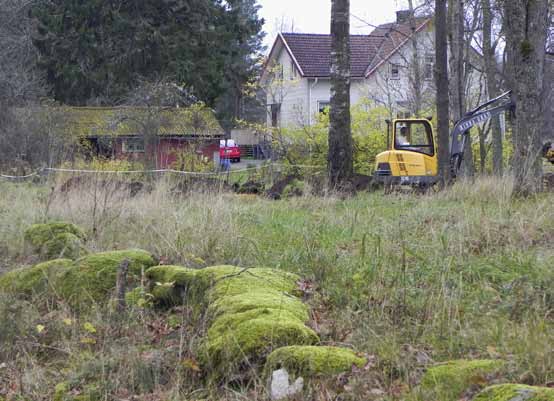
[[312, 52]]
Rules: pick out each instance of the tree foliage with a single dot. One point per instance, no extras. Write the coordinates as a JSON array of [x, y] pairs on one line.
[[309, 145], [95, 52]]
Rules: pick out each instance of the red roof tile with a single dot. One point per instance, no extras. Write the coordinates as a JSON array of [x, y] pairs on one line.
[[313, 51]]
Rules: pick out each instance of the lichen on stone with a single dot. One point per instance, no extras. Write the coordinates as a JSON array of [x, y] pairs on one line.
[[515, 392], [313, 361], [448, 381]]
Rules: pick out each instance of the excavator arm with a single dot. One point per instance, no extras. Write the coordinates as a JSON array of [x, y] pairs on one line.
[[460, 133]]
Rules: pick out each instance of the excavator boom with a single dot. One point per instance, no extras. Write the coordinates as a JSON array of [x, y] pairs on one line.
[[460, 133]]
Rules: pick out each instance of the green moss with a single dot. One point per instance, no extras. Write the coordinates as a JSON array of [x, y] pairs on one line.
[[230, 280], [310, 361], [254, 311], [38, 234], [36, 280], [60, 391], [449, 380], [515, 392], [260, 298], [94, 277], [231, 321], [251, 340], [168, 283], [64, 245], [138, 297], [63, 392]]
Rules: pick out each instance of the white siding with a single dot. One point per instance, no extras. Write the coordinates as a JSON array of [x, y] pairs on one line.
[[300, 97]]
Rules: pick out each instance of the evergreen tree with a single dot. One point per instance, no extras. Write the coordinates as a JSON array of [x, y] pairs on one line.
[[96, 51]]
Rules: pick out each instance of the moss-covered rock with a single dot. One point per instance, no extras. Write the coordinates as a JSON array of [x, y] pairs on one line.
[[64, 245], [168, 284], [448, 381], [265, 298], [94, 276], [63, 392], [515, 392], [253, 335], [36, 280], [253, 311], [55, 240], [310, 361]]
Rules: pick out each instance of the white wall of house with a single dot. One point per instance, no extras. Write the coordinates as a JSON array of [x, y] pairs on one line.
[[388, 86], [291, 92]]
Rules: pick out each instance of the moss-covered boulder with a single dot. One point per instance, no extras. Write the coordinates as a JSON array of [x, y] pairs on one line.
[[450, 380], [310, 361], [251, 336], [55, 240], [36, 280], [65, 245], [86, 281], [516, 392], [171, 283], [252, 311], [94, 277]]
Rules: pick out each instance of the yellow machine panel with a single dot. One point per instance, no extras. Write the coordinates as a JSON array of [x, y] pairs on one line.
[[412, 155]]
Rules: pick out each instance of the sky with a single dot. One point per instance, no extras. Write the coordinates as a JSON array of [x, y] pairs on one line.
[[314, 16]]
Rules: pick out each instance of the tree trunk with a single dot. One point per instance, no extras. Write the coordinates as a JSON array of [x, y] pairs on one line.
[[526, 29], [340, 159], [443, 101], [489, 52], [458, 75]]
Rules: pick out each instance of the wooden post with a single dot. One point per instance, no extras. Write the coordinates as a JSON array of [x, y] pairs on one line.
[[121, 285]]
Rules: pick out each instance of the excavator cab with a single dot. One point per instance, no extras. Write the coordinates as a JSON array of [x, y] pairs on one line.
[[411, 158]]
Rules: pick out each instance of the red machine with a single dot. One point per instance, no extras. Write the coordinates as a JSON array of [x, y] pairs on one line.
[[229, 150]]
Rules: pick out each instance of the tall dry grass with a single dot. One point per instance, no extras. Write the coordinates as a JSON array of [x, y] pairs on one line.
[[410, 279]]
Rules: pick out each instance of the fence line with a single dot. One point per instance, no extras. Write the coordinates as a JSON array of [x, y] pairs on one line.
[[171, 171]]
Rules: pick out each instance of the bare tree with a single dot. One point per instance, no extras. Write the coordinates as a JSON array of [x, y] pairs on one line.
[[340, 157], [443, 101], [526, 25], [148, 115]]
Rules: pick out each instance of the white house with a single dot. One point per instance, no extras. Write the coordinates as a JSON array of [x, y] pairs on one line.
[[296, 76]]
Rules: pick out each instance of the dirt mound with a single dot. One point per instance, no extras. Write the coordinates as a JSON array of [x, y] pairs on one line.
[[133, 188]]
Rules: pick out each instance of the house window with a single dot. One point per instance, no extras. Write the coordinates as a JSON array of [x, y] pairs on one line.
[[293, 72], [133, 145], [323, 106], [394, 71], [275, 111], [429, 67]]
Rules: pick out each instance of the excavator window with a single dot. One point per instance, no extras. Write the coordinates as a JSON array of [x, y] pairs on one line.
[[415, 136]]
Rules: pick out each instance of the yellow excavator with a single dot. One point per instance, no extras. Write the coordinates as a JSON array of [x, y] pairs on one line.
[[412, 157]]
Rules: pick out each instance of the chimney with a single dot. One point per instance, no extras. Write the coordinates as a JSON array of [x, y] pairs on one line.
[[403, 16]]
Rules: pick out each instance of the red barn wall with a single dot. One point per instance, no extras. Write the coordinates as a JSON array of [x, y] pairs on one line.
[[166, 150]]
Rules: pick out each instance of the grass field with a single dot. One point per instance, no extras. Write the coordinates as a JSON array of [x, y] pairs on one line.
[[404, 279]]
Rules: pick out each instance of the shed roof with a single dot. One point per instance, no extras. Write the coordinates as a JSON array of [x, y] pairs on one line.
[[194, 121]]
